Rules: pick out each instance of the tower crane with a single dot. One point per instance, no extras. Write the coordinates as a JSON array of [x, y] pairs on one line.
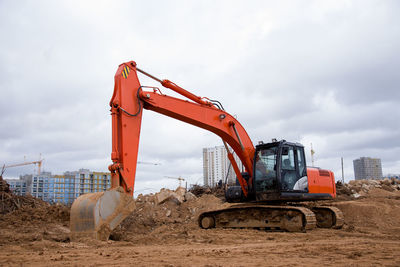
[[180, 179], [38, 162]]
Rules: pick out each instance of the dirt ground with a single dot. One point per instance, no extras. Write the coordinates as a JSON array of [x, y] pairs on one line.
[[34, 233]]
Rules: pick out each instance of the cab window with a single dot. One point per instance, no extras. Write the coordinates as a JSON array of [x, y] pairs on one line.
[[301, 163], [265, 169], [288, 168]]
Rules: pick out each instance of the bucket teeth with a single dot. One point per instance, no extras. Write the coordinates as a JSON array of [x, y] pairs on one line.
[[95, 215]]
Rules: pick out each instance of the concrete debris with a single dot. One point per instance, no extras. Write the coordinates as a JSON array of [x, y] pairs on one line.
[[189, 196], [180, 192], [167, 195], [145, 198], [178, 196], [358, 188]]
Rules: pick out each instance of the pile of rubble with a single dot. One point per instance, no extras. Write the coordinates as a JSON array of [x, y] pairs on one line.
[[10, 202], [26, 209], [179, 196], [160, 215], [358, 188]]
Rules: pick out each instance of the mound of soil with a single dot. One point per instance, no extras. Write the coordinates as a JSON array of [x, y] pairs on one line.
[[377, 211], [151, 221], [25, 218], [27, 223]]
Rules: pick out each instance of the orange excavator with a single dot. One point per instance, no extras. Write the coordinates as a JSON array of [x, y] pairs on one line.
[[270, 190]]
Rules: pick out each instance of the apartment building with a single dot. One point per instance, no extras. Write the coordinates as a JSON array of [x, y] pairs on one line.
[[18, 187], [63, 188]]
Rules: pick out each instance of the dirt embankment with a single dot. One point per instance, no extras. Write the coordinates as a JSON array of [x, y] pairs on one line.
[[25, 219], [164, 232], [373, 206]]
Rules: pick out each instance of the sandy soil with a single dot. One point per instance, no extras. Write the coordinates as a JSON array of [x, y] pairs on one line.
[[167, 235]]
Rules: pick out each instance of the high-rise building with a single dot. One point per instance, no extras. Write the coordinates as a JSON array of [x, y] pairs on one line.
[[216, 166], [366, 168]]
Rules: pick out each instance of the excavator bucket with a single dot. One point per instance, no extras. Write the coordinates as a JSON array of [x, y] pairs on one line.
[[95, 215]]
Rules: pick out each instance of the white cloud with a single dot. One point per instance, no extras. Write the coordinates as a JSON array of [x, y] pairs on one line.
[[312, 71]]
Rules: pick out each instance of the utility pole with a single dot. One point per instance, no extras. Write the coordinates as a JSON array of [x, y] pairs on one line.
[[342, 172]]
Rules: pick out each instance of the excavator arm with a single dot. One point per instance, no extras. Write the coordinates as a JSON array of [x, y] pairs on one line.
[[129, 100], [96, 214]]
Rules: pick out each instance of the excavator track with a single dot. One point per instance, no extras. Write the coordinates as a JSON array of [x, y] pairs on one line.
[[286, 218], [328, 217]]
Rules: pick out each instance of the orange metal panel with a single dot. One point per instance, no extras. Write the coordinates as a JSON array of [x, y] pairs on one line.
[[321, 181], [125, 128]]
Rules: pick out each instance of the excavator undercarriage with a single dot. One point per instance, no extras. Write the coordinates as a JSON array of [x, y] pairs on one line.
[[272, 217]]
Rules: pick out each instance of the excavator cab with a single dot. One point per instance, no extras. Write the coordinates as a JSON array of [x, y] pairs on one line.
[[279, 167]]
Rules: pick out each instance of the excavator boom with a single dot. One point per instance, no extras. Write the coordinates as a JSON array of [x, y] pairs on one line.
[[89, 215]]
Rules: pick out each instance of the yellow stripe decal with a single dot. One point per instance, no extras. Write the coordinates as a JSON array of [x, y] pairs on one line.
[[125, 72]]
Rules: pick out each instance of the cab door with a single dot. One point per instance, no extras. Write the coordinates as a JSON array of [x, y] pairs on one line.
[[265, 170], [293, 173]]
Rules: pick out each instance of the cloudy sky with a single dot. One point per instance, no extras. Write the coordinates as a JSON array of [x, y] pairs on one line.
[[320, 72]]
